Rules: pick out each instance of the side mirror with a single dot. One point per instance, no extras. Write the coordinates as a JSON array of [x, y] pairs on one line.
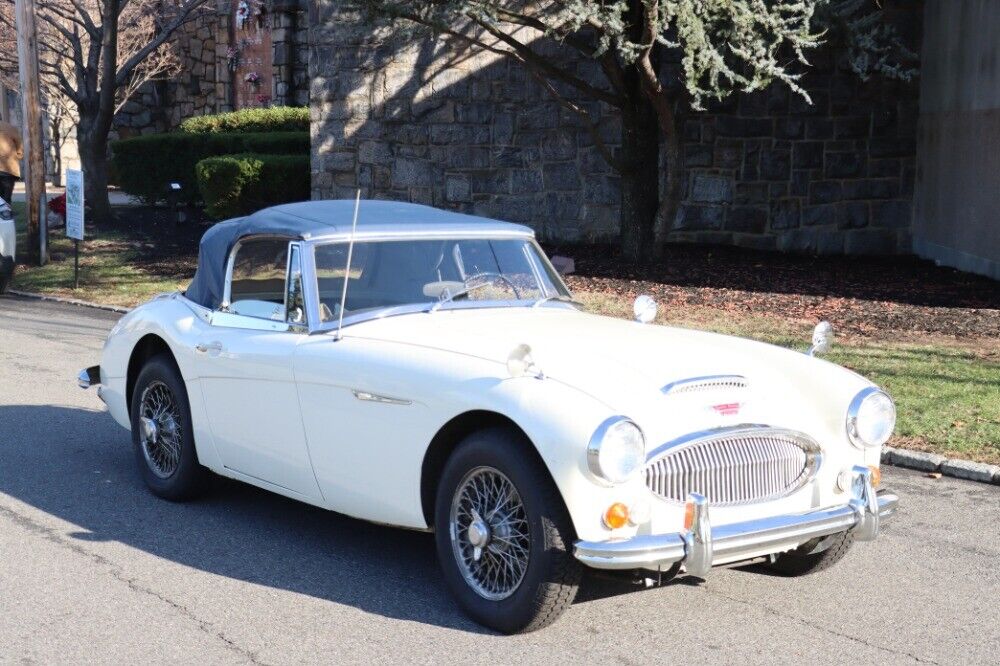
[[644, 309], [822, 339]]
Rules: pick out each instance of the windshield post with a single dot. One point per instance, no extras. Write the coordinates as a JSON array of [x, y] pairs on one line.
[[347, 272]]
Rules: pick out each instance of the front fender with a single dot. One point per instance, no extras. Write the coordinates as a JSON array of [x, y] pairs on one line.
[[178, 323]]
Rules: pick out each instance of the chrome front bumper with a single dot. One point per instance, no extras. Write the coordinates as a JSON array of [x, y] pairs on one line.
[[705, 546], [89, 377]]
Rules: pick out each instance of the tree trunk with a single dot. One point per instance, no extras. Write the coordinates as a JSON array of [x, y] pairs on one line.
[[674, 166], [93, 145], [640, 155]]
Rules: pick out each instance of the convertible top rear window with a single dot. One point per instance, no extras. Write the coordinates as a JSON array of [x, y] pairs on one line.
[[403, 272]]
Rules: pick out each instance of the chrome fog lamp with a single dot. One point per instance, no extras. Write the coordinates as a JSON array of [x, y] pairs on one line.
[[617, 450], [871, 418]]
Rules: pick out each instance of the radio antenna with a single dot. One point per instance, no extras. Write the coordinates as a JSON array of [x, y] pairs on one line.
[[347, 269]]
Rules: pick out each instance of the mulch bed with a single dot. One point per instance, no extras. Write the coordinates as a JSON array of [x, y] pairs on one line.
[[164, 246], [871, 296]]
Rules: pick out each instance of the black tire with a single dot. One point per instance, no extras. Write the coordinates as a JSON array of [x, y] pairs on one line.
[[186, 478], [800, 561], [552, 576]]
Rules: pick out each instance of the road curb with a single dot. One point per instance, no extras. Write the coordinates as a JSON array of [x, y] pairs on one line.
[[934, 463], [68, 301]]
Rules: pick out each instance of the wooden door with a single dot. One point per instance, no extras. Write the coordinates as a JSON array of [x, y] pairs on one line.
[[253, 73]]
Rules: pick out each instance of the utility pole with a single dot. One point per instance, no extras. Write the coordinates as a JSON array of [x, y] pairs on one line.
[[31, 105]]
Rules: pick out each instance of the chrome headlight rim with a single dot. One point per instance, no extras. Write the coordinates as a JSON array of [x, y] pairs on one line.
[[594, 450], [853, 412]]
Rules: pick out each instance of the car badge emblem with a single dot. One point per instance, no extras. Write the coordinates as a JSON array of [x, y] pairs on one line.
[[728, 408]]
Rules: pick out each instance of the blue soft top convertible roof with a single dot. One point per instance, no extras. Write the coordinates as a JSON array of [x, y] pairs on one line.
[[329, 219]]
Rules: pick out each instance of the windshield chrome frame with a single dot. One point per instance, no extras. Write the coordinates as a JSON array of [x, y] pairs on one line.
[[311, 287]]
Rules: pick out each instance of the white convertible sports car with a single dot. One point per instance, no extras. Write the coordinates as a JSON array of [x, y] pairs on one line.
[[426, 369]]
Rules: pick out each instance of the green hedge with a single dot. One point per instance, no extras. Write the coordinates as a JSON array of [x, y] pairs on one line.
[[145, 166], [275, 119], [233, 185]]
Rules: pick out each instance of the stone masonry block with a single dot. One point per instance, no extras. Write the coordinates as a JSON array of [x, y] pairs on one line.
[[711, 189], [457, 189]]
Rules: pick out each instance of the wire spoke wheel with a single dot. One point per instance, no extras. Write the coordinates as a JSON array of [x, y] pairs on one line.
[[160, 431], [490, 536]]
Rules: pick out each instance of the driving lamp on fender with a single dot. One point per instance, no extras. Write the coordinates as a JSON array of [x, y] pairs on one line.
[[617, 450], [871, 418]]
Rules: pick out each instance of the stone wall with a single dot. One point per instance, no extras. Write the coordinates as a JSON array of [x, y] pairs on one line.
[[201, 87], [770, 171], [290, 34], [424, 120]]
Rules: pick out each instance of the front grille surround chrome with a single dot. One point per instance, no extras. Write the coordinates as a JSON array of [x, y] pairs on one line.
[[733, 466]]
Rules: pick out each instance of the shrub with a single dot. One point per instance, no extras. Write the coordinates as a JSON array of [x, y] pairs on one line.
[[146, 165], [275, 119], [233, 185]]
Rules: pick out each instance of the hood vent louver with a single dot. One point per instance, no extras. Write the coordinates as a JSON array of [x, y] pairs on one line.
[[706, 383]]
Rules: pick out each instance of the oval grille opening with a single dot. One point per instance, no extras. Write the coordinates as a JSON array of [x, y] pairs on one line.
[[738, 467]]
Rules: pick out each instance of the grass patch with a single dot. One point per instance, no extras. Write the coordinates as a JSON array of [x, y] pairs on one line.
[[110, 272], [947, 391], [947, 398]]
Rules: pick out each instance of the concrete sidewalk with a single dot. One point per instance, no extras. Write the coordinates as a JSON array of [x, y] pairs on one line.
[[117, 197]]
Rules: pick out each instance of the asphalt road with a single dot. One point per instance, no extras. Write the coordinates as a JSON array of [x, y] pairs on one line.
[[95, 569]]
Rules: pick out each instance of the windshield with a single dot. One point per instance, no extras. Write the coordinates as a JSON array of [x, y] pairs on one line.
[[405, 272]]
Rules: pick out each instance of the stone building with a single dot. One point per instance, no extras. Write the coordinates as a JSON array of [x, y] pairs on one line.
[[273, 44], [218, 50], [426, 120]]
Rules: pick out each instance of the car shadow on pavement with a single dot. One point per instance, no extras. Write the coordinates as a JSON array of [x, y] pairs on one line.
[[78, 466]]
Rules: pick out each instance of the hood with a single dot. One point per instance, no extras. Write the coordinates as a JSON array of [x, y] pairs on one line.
[[647, 372]]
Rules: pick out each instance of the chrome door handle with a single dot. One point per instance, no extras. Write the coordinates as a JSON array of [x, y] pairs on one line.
[[201, 347]]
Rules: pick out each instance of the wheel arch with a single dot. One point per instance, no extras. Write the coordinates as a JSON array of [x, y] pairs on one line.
[[147, 347], [447, 439]]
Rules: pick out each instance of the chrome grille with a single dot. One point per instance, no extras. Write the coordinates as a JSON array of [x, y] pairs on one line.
[[734, 466]]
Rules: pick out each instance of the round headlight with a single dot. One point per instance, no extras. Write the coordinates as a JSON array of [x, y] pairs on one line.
[[617, 450], [871, 418]]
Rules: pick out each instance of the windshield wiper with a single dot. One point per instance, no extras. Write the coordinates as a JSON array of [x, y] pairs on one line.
[[560, 298]]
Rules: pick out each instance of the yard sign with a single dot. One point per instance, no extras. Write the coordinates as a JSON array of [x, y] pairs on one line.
[[74, 217], [74, 204]]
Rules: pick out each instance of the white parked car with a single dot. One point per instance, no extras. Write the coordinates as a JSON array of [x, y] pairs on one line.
[[430, 370], [8, 238]]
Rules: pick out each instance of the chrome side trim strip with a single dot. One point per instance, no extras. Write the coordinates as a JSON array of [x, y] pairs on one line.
[[382, 399]]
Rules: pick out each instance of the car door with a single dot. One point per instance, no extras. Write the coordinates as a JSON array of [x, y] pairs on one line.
[[245, 365]]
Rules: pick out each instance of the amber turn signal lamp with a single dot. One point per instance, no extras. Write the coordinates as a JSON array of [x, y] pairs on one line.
[[688, 515], [876, 476], [616, 516]]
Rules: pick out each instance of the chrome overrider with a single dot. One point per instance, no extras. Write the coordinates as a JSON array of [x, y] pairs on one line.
[[705, 546]]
